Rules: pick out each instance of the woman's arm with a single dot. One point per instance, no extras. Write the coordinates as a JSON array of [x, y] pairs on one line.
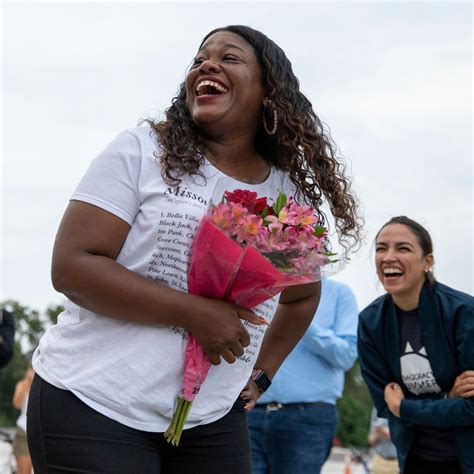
[[443, 413], [296, 309], [448, 412], [21, 391], [84, 269], [336, 344], [374, 369], [440, 412], [463, 388], [463, 385], [378, 434]]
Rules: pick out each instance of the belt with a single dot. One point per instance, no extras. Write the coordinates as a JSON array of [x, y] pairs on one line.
[[276, 406]]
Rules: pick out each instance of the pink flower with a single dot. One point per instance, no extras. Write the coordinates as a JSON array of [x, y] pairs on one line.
[[237, 211], [248, 228], [310, 264], [292, 235], [299, 215], [222, 217], [307, 240], [278, 242], [262, 240], [291, 240], [275, 224]]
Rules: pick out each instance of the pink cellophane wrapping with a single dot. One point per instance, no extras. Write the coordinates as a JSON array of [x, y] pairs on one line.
[[222, 269]]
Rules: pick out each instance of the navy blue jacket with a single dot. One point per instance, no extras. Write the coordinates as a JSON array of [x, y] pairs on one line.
[[447, 325]]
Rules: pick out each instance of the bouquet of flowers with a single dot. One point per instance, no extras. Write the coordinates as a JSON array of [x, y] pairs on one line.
[[246, 251]]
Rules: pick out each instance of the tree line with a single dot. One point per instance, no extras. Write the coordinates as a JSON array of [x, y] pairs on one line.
[[30, 325]]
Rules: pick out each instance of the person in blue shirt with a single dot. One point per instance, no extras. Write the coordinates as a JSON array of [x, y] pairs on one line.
[[294, 422]]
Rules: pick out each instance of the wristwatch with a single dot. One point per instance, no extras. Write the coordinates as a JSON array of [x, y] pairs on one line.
[[261, 380]]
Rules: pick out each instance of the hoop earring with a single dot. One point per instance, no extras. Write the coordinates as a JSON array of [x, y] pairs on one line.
[[275, 122]]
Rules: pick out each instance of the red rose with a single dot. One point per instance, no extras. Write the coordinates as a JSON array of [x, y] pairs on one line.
[[260, 204], [247, 199]]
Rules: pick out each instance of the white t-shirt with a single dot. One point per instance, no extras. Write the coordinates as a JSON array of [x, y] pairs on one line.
[[130, 372]]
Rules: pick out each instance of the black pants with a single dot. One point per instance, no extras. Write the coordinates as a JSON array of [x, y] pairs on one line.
[[65, 435], [420, 466]]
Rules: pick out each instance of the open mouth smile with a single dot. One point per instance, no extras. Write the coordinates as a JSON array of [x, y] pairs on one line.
[[392, 273], [210, 88]]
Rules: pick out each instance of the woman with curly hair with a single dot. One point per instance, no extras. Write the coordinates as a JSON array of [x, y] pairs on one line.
[[108, 373]]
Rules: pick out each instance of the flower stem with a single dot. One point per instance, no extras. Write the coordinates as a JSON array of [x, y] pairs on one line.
[[174, 431]]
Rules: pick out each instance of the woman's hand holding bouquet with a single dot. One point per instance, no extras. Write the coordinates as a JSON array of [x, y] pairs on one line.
[[219, 328]]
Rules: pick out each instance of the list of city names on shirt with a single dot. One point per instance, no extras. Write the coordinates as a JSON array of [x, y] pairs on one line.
[[256, 333], [169, 262]]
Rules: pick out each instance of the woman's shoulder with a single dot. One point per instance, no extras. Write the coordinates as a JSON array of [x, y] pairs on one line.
[[132, 147], [453, 296], [131, 141], [142, 135]]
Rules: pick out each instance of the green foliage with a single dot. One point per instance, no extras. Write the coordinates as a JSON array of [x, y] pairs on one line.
[[280, 203], [52, 313], [354, 410], [30, 325], [319, 230]]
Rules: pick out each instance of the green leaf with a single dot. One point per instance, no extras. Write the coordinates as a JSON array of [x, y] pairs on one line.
[[280, 203], [264, 212], [319, 230]]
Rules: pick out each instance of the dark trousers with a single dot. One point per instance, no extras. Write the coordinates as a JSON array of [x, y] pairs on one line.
[[420, 466], [65, 436]]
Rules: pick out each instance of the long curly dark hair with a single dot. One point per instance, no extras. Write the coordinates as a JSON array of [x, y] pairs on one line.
[[301, 146]]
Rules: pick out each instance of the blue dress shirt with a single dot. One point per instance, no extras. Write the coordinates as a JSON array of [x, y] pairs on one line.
[[314, 370]]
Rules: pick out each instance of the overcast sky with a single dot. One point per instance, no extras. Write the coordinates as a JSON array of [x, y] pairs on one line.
[[391, 80]]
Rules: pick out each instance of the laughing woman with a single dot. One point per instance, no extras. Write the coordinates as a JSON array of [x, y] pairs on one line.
[[109, 372], [416, 350]]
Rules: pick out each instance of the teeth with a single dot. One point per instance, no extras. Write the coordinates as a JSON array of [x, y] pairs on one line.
[[216, 85], [392, 271]]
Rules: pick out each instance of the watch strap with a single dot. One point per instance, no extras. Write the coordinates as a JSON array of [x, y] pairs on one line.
[[262, 381]]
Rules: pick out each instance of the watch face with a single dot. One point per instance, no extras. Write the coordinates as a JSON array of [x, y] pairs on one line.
[[262, 381]]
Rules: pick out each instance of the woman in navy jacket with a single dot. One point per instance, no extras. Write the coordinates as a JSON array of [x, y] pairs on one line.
[[416, 350]]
